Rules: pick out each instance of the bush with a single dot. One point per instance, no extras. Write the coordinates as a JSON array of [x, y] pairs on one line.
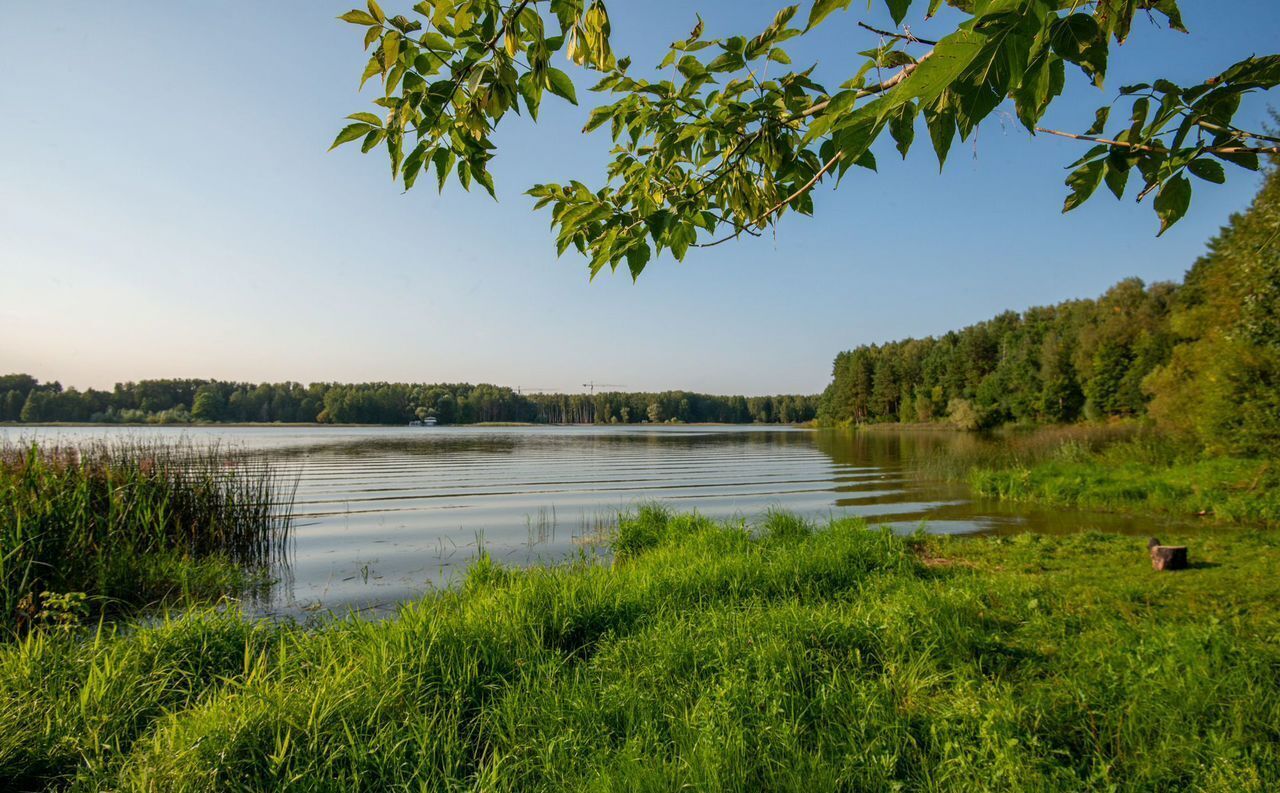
[[963, 416]]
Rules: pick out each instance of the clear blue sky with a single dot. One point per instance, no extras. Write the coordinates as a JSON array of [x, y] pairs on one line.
[[167, 208]]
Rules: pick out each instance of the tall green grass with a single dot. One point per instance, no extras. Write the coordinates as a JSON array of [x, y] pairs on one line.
[[1117, 467], [128, 521], [780, 656], [1019, 447], [1223, 490], [1117, 470]]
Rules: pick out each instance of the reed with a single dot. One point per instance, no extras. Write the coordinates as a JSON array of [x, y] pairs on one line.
[[123, 522]]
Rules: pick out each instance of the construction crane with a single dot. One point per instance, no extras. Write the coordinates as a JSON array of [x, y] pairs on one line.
[[593, 385]]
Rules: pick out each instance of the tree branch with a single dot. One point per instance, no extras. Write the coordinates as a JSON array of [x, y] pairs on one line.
[[1239, 133], [1160, 149], [871, 90], [907, 37], [466, 72], [806, 187]]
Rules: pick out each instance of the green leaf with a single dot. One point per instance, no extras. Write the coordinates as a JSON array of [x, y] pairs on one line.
[[1171, 12], [1099, 121], [1117, 174], [598, 116], [681, 237], [358, 18], [637, 258], [898, 10], [950, 58], [372, 68], [367, 118], [1042, 82], [1172, 201], [435, 42], [561, 85], [378, 16], [892, 59], [1208, 170], [1079, 39], [1115, 17], [657, 224], [1246, 160], [443, 159], [1083, 181], [531, 90], [349, 133], [485, 179], [372, 140], [413, 164], [941, 121], [390, 49], [823, 9], [395, 148], [902, 126]]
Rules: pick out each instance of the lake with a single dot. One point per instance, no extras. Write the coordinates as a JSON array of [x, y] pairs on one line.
[[386, 513]]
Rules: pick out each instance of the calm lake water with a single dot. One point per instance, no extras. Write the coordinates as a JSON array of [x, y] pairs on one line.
[[385, 514]]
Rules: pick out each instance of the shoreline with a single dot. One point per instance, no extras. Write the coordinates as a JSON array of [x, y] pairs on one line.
[[306, 424]]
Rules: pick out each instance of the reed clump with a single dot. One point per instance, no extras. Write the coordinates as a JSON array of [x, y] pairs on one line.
[[128, 522]]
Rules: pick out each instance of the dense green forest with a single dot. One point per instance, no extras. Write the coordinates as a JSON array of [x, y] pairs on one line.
[[25, 399], [1083, 358], [1201, 358]]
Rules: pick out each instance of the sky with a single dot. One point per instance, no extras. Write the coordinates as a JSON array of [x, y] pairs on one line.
[[168, 209]]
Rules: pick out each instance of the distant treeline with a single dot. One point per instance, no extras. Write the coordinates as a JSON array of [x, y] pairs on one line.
[[1201, 358], [25, 399]]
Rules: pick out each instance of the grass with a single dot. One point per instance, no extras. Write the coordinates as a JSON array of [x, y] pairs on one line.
[[1020, 447], [131, 523], [1144, 473], [707, 656]]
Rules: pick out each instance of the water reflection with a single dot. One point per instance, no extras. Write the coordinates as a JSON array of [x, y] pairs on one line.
[[384, 514]]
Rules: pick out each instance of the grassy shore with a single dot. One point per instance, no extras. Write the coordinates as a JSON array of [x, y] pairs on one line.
[[706, 657], [118, 525], [1121, 469], [1222, 490]]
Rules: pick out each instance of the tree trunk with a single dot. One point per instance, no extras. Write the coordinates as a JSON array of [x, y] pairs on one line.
[[1169, 557]]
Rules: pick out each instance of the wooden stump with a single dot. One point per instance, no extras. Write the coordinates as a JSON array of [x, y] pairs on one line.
[[1167, 557]]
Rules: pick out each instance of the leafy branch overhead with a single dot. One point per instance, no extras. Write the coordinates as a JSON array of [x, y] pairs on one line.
[[726, 136]]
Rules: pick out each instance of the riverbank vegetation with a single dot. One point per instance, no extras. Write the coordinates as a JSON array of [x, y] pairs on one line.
[[25, 399], [1117, 468], [706, 656], [118, 525]]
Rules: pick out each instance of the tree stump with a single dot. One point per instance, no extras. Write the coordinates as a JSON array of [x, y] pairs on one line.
[[1167, 557]]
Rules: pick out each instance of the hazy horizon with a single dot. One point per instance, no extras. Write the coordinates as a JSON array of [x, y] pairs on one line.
[[168, 209]]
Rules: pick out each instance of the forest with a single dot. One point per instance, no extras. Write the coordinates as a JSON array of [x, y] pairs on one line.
[[1200, 358], [25, 399]]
